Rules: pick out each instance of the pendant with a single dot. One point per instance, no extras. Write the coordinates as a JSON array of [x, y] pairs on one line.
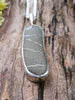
[[34, 53]]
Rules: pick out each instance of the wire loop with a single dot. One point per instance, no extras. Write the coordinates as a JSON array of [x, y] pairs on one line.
[[31, 16]]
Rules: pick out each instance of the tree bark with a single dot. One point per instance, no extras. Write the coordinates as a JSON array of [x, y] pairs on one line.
[[57, 17]]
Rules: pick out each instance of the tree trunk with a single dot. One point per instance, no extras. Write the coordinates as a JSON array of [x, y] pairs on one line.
[[57, 17]]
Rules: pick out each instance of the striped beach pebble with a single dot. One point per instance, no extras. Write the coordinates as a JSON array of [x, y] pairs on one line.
[[34, 54]]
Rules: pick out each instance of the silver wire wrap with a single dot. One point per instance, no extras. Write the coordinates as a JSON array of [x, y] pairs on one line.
[[31, 16]]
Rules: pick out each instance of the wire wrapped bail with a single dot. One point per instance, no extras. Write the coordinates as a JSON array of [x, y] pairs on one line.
[[31, 19], [32, 15]]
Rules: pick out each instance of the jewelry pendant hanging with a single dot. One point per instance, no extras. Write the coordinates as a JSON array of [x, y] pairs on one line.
[[33, 52]]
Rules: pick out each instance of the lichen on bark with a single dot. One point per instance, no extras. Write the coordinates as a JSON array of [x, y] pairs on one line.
[[3, 6]]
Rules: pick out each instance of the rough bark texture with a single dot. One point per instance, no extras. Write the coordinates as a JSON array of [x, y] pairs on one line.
[[57, 17]]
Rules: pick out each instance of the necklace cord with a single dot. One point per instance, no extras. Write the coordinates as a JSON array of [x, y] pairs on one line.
[[32, 16]]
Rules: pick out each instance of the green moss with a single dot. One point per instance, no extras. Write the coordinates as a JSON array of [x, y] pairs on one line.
[[3, 6]]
